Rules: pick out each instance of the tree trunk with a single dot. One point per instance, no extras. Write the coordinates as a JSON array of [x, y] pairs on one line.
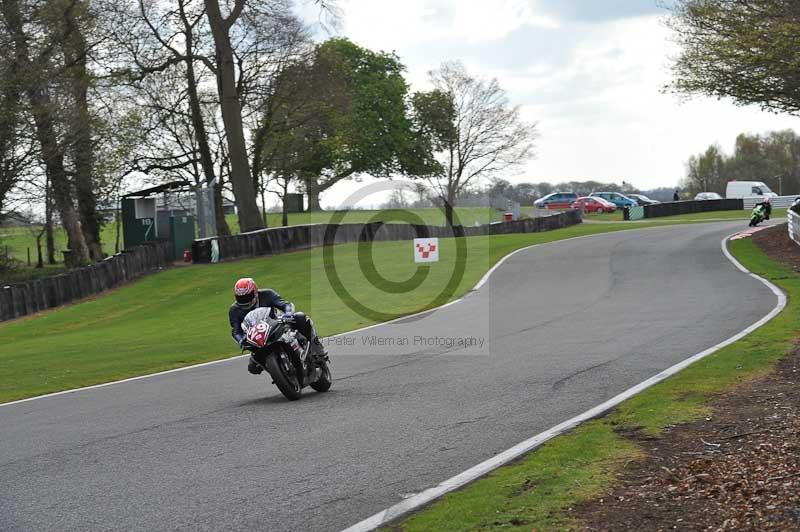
[[39, 258], [48, 223], [285, 217], [448, 212], [51, 151], [264, 207], [313, 199], [219, 212], [243, 190], [198, 124], [75, 49], [118, 223]]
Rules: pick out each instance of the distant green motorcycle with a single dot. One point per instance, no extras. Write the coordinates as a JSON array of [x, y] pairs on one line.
[[758, 215]]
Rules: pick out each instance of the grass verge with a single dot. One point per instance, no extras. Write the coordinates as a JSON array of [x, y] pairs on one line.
[[535, 492], [178, 317]]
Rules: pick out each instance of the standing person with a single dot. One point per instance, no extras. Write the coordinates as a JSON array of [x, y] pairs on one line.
[[676, 196]]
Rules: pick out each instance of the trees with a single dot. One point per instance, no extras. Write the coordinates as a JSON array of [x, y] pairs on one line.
[[16, 145], [746, 50], [773, 158], [707, 172], [171, 63], [34, 41], [335, 113], [476, 132], [230, 105], [216, 65], [167, 58]]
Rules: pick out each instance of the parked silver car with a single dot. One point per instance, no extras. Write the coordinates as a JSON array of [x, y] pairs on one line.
[[707, 196]]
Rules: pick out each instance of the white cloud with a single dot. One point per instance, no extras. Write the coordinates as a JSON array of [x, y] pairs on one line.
[[390, 25], [592, 79]]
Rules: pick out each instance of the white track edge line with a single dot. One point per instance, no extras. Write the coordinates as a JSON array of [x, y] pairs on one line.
[[426, 497], [480, 283]]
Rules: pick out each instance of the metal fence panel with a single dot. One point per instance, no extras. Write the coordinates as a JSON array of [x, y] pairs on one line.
[[794, 226], [781, 202]]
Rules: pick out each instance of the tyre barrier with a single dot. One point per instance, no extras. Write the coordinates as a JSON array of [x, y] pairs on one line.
[[277, 240], [22, 299], [674, 208]]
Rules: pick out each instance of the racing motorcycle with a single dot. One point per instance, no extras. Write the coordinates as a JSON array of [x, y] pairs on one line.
[[758, 215], [284, 353]]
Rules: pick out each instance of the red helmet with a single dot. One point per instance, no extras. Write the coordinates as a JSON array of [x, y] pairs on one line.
[[246, 293]]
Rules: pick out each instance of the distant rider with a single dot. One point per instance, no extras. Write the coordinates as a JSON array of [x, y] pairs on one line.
[[767, 204], [249, 297]]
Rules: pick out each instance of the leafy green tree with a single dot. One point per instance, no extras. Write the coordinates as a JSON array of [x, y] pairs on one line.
[[338, 113], [746, 50], [773, 158], [707, 172]]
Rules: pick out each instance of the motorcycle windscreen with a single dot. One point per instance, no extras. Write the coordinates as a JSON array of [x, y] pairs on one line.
[[255, 316]]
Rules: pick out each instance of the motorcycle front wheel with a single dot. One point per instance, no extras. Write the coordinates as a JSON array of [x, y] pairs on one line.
[[283, 379]]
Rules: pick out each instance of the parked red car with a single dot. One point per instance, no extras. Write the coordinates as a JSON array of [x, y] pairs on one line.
[[593, 204]]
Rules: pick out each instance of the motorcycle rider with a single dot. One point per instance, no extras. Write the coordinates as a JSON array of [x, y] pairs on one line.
[[767, 204], [249, 297]]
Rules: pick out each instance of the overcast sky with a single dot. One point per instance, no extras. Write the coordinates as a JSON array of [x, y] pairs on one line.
[[590, 72]]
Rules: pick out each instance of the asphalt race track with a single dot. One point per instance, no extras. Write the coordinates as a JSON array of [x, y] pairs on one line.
[[565, 326]]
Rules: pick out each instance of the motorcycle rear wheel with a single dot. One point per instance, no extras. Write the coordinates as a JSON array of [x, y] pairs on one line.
[[287, 384], [323, 384]]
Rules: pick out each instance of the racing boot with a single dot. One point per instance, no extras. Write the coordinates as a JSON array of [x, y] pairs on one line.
[[254, 367], [318, 350]]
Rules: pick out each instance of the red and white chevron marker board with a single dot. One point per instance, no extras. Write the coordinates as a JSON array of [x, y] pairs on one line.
[[426, 250], [746, 234]]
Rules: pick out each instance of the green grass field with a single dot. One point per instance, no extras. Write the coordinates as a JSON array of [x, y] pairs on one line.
[[132, 331], [19, 239], [535, 492]]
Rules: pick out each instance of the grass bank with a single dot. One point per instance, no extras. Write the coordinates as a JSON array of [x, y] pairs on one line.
[[535, 492], [132, 331]]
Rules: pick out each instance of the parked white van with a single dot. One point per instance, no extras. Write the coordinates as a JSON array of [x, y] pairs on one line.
[[748, 189]]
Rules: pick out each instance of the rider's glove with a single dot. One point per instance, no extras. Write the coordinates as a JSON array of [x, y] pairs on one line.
[[288, 317], [243, 343]]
